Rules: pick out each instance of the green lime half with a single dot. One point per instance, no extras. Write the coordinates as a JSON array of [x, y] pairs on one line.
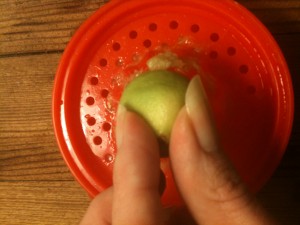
[[157, 96]]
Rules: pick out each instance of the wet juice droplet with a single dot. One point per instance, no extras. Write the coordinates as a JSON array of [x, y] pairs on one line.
[[108, 158]]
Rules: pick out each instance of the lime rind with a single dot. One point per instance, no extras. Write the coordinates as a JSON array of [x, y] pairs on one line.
[[157, 96]]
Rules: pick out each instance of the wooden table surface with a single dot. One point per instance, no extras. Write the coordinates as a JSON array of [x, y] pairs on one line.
[[36, 186]]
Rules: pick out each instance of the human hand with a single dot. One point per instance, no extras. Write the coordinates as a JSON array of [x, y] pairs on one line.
[[207, 182]]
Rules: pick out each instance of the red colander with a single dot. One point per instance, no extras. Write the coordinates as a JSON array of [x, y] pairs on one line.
[[246, 79]]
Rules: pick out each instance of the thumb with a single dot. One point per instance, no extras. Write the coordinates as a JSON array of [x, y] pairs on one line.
[[207, 181]]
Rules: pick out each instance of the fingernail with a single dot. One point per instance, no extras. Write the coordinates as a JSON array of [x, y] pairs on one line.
[[198, 110], [121, 114]]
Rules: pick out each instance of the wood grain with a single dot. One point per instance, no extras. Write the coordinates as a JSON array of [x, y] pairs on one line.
[[32, 27], [36, 187], [28, 147], [37, 202]]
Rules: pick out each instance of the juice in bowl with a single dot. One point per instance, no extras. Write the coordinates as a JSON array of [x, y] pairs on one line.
[[242, 69]]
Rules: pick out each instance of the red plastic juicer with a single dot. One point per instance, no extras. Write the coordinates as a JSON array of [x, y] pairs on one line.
[[245, 77]]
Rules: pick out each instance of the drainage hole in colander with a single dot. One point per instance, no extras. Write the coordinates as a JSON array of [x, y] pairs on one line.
[[231, 51], [97, 140], [133, 34], [116, 46], [214, 37], [103, 62], [173, 25], [91, 121], [152, 26], [244, 69], [104, 93], [195, 28], [90, 100], [213, 54], [147, 43], [94, 81], [106, 126]]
